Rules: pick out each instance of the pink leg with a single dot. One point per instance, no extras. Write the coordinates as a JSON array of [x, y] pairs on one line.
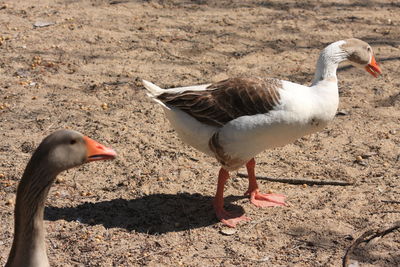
[[228, 218], [257, 198]]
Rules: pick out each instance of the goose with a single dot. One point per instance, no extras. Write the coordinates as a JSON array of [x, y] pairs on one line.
[[235, 119], [61, 150]]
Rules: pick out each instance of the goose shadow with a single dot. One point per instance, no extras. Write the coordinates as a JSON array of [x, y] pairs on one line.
[[152, 214]]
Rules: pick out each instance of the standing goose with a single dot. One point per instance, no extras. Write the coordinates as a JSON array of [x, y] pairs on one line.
[[235, 119], [62, 150]]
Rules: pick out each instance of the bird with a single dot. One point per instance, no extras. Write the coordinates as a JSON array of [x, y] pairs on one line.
[[59, 151], [235, 119]]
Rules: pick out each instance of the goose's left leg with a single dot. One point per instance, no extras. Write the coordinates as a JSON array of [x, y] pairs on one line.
[[257, 198], [228, 218]]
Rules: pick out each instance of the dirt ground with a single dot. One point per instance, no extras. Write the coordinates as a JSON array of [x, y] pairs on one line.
[[152, 205]]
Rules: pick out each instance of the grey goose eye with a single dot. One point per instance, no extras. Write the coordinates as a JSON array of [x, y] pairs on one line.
[[73, 141], [369, 49]]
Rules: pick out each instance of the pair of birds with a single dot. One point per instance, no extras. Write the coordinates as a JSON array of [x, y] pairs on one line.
[[231, 120]]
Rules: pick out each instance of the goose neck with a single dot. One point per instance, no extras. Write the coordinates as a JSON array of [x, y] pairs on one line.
[[29, 232], [328, 62]]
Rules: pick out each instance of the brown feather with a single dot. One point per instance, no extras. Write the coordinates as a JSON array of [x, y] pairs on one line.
[[227, 100]]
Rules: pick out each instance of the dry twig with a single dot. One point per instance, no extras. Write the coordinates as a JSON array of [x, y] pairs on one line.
[[300, 181], [391, 201], [367, 237]]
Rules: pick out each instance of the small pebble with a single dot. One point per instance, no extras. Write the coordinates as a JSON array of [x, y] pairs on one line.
[[104, 106], [359, 160], [10, 202], [40, 24], [84, 236], [385, 164], [228, 231], [354, 263]]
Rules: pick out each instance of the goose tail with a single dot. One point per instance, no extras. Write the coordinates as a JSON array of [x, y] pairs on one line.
[[153, 91]]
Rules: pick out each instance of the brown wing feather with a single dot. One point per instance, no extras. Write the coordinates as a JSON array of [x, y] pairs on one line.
[[227, 100]]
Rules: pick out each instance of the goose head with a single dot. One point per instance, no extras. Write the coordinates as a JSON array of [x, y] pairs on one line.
[[360, 54], [65, 149]]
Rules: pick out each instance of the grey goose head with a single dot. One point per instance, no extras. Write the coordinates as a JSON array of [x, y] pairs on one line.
[[360, 54], [65, 149]]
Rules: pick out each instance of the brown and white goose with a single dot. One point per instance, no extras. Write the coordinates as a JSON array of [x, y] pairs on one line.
[[235, 119], [62, 150]]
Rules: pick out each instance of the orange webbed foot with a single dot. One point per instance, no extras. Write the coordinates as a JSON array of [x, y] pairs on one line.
[[266, 200], [230, 219]]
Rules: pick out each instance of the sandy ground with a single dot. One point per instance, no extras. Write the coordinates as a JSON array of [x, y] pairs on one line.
[[152, 206]]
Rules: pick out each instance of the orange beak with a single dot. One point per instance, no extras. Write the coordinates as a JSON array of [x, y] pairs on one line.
[[96, 151], [373, 68]]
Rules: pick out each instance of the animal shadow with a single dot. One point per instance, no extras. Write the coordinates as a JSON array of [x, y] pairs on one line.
[[152, 214]]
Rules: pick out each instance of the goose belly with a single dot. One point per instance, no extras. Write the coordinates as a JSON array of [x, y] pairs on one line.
[[245, 139]]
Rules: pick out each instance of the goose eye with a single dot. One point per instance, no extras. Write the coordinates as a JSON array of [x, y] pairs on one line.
[[73, 141], [369, 49]]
